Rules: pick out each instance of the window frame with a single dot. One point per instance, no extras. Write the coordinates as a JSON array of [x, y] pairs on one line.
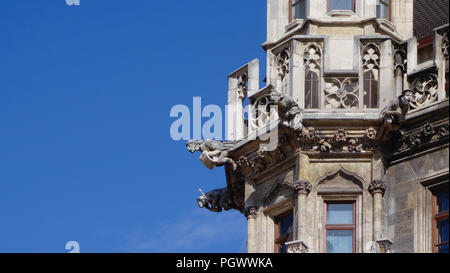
[[352, 227], [353, 6], [389, 4], [436, 218], [278, 239], [292, 4]]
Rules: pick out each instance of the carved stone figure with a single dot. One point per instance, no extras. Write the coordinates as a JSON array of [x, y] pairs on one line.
[[214, 152], [216, 200], [393, 115], [288, 109]]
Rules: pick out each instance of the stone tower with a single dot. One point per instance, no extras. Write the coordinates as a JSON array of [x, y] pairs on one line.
[[345, 148]]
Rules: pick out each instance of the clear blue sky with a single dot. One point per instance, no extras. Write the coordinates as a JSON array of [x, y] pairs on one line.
[[85, 95]]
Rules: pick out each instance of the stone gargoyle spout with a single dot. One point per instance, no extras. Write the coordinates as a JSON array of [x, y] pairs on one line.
[[393, 115], [216, 200], [213, 152]]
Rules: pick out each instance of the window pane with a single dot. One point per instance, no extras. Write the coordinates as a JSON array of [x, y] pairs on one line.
[[442, 227], [341, 4], [442, 202], [311, 90], [339, 241], [340, 214], [443, 249], [300, 10], [286, 224], [370, 85], [382, 10]]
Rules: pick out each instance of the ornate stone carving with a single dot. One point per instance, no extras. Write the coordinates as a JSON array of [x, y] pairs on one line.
[[425, 88], [213, 152], [371, 57], [282, 59], [384, 245], [444, 44], [393, 115], [242, 85], [428, 133], [341, 93], [312, 140], [249, 166], [251, 212], [312, 58], [296, 247], [303, 187], [377, 186]]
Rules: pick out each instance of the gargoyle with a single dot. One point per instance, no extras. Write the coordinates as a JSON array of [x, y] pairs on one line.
[[214, 152], [393, 115], [216, 200], [288, 109]]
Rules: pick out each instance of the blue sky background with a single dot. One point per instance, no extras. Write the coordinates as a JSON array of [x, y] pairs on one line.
[[85, 95]]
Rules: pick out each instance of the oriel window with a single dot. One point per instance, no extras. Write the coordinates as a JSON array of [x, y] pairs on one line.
[[340, 227], [284, 226]]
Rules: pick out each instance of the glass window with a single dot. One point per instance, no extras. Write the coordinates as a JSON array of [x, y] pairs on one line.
[[441, 232], [284, 226], [340, 227], [371, 88], [383, 7], [299, 9], [340, 4], [311, 90]]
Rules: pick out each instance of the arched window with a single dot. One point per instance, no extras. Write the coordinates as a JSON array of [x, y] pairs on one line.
[[371, 75], [311, 58]]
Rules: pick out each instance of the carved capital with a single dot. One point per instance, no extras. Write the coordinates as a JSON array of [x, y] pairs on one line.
[[377, 186], [385, 245], [303, 187], [251, 212], [297, 247]]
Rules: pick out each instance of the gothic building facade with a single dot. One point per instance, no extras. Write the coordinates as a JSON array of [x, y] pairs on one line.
[[356, 97]]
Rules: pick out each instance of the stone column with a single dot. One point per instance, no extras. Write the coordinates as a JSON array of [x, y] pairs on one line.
[[377, 189], [251, 213], [302, 189], [399, 81]]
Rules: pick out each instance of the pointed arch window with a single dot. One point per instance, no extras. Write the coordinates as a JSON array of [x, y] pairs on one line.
[[371, 75], [312, 58]]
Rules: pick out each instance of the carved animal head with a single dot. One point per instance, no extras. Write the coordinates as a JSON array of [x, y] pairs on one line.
[[276, 96], [193, 146], [406, 97]]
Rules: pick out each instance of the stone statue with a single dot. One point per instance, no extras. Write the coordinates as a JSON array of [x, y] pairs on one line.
[[214, 152], [216, 200], [393, 115], [288, 109]]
